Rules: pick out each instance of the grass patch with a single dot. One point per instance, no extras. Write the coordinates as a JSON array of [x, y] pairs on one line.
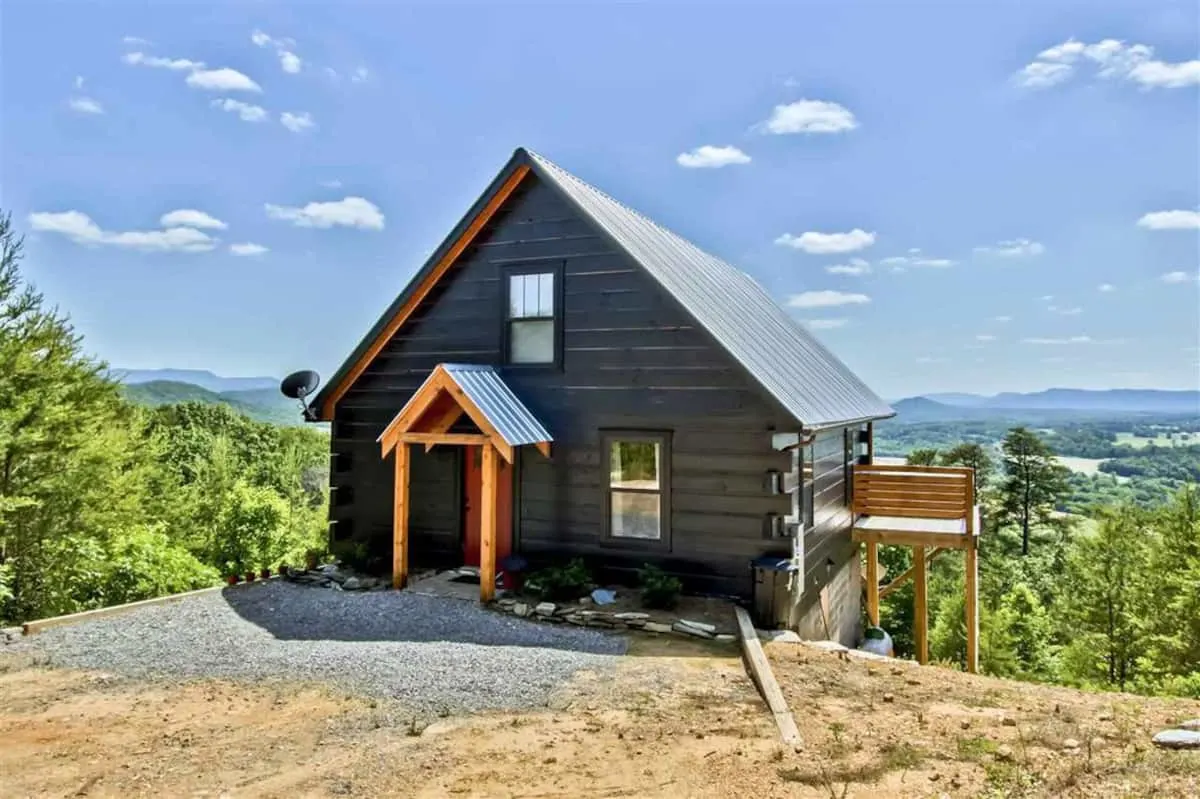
[[1008, 780], [975, 748]]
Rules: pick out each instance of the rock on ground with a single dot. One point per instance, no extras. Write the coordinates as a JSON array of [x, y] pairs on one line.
[[430, 653]]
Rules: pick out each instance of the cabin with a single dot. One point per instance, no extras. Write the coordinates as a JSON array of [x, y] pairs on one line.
[[566, 378]]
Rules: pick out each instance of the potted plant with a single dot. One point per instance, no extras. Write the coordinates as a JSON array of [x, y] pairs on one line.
[[265, 573], [232, 579], [250, 576], [310, 559]]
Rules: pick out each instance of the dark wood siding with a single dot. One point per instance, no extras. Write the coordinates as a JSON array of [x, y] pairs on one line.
[[827, 544], [631, 360]]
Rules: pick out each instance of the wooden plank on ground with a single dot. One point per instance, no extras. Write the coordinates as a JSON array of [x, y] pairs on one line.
[[764, 678]]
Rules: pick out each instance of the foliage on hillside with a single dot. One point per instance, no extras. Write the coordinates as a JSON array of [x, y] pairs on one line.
[[264, 405], [1112, 603], [104, 501]]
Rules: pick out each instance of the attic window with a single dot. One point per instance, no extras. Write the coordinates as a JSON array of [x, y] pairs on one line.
[[530, 334]]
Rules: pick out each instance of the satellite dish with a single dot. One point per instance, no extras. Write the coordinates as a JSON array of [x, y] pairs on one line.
[[298, 385]]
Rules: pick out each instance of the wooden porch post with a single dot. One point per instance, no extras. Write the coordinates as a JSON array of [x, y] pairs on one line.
[[487, 532], [920, 609], [870, 442], [400, 518], [972, 604], [873, 582]]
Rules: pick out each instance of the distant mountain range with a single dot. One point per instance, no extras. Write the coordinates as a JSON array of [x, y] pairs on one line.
[[196, 377], [1052, 403], [257, 397]]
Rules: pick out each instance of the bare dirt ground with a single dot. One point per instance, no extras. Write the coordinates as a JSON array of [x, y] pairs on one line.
[[676, 719], [887, 728]]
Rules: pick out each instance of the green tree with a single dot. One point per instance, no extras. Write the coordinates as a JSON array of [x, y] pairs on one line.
[[971, 455], [1103, 599], [1033, 483], [922, 457], [1172, 587]]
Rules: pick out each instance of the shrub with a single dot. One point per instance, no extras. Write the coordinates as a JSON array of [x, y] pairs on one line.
[[561, 582], [659, 589]]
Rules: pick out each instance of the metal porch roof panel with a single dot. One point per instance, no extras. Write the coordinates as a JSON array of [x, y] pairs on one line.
[[515, 423], [803, 375]]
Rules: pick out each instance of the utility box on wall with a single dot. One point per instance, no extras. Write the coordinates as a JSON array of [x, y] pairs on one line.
[[773, 577]]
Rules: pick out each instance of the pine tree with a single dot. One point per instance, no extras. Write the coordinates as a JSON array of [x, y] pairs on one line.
[[1033, 483], [971, 455]]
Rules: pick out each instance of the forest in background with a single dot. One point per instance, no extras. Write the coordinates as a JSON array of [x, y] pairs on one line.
[[1107, 597], [103, 500]]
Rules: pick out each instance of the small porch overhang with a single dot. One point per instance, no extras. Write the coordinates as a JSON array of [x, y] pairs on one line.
[[451, 392]]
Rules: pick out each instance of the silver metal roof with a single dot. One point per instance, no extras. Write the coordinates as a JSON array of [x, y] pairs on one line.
[[484, 387], [808, 380]]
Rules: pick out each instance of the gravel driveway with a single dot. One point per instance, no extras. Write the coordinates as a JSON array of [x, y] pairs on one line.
[[432, 654]]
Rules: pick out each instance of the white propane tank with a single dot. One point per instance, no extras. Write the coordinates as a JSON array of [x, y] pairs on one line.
[[877, 641]]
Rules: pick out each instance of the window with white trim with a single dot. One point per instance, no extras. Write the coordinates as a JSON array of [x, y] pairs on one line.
[[531, 335], [638, 487]]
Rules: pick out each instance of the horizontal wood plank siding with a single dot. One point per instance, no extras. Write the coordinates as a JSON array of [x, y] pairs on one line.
[[631, 360]]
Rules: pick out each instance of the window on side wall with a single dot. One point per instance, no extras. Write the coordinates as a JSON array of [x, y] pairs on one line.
[[637, 495], [531, 317]]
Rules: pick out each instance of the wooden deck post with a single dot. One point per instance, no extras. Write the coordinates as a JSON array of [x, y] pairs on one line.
[[487, 523], [920, 605], [972, 605], [870, 442], [873, 582], [400, 519]]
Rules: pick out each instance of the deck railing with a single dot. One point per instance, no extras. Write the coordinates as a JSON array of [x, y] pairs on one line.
[[915, 492]]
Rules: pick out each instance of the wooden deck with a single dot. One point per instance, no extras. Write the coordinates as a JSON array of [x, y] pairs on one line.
[[926, 508]]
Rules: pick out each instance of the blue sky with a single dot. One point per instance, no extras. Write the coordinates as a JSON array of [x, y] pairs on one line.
[[1011, 192]]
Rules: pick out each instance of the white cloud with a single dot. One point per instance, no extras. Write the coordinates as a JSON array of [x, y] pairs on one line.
[[1001, 318], [1073, 311], [825, 324], [190, 217], [809, 116], [1171, 220], [249, 248], [826, 299], [85, 105], [985, 337], [1046, 297], [1067, 340], [816, 243], [297, 122], [914, 258], [289, 61], [712, 157], [1178, 277], [1106, 287], [856, 267], [348, 212], [246, 111], [1013, 248], [331, 184], [360, 74], [78, 82], [176, 64], [134, 40], [1112, 59], [80, 228], [222, 80]]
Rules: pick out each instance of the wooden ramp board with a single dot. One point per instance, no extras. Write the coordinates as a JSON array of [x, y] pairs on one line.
[[764, 678]]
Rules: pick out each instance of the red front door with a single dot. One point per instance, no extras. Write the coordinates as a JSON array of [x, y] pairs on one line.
[[473, 507]]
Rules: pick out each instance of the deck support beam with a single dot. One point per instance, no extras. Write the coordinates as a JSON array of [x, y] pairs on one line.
[[873, 582], [920, 605], [972, 605], [400, 519], [487, 532]]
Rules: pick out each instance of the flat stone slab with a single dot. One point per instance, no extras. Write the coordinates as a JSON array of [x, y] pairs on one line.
[[1190, 724], [784, 636], [1177, 739]]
